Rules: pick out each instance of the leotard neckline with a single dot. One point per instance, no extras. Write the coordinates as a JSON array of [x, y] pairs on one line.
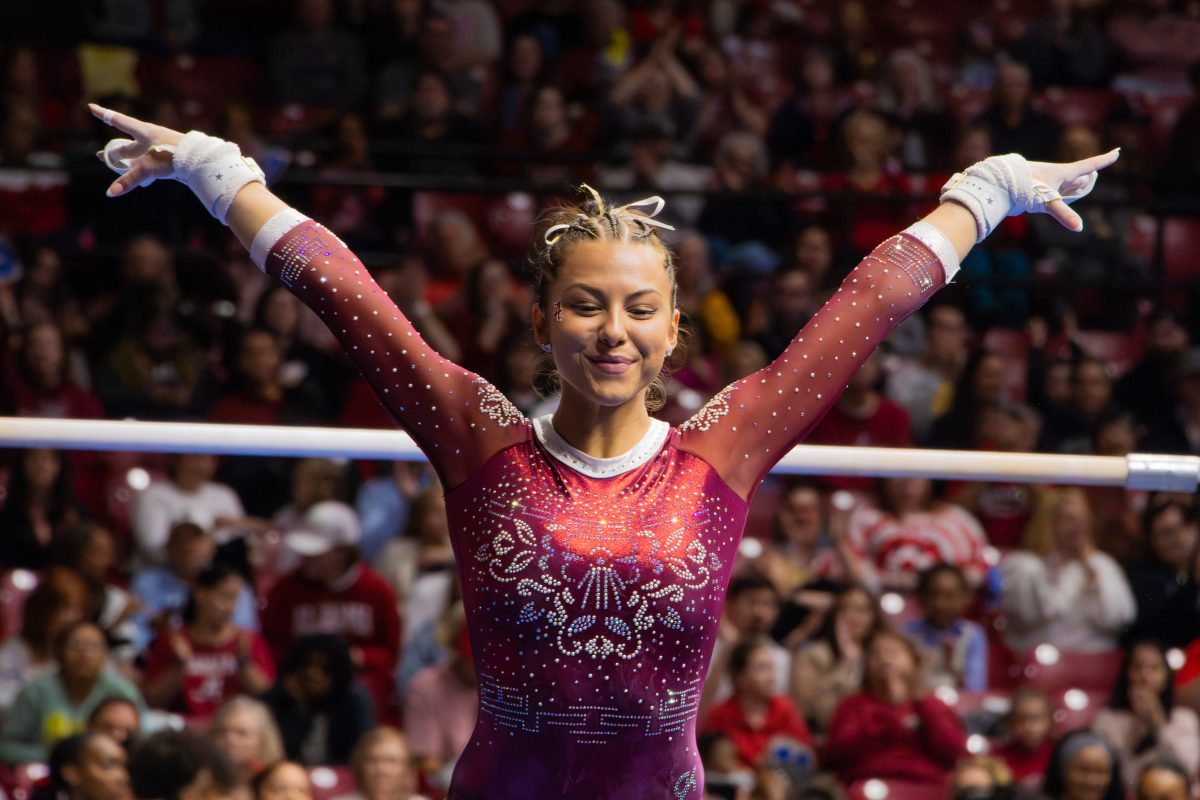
[[650, 443]]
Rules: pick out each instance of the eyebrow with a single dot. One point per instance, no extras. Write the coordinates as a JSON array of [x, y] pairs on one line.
[[598, 293]]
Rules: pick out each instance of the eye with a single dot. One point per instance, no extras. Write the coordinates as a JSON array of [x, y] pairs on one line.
[[643, 313], [585, 308]]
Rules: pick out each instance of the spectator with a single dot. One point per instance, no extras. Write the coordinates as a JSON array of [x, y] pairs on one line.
[[60, 600], [381, 765], [87, 766], [89, 551], [483, 315], [257, 395], [801, 131], [420, 565], [892, 728], [1148, 388], [318, 65], [981, 778], [39, 383], [196, 667], [801, 550], [1005, 508], [118, 718], [384, 504], [57, 705], [1142, 720], [38, 501], [1084, 765], [332, 592], [924, 385], [1029, 725], [320, 708], [911, 530], [180, 765], [305, 369], [981, 384], [955, 649], [1091, 399], [1168, 596], [830, 668], [1065, 47], [657, 91], [282, 781], [867, 187], [1163, 779], [1179, 431], [314, 480], [1074, 597], [722, 770], [789, 304], [862, 417], [245, 733], [738, 209], [1015, 126], [432, 121], [186, 494], [442, 703], [163, 591], [908, 96], [751, 611], [525, 66], [756, 713]]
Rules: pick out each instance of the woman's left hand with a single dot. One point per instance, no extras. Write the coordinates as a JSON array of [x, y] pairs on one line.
[[1068, 182]]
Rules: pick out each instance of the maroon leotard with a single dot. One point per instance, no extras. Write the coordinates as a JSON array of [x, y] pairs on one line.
[[593, 587]]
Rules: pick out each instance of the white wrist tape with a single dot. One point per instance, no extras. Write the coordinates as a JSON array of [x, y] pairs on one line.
[[215, 170], [1003, 186]]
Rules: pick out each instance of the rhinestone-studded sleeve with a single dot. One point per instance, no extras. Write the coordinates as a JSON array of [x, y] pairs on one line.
[[458, 419], [752, 423]]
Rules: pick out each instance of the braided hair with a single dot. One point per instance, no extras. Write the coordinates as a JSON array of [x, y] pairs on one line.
[[595, 220]]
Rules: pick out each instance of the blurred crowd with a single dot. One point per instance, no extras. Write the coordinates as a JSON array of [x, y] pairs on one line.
[[293, 628]]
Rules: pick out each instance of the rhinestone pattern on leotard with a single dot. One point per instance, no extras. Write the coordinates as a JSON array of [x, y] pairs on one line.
[[593, 602]]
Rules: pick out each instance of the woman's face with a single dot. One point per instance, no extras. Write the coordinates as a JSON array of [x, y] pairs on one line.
[[42, 468], [44, 354], [118, 721], [1031, 722], [1148, 669], [907, 494], [800, 515], [617, 320], [287, 782], [856, 611], [549, 110], [281, 312], [1174, 539], [1087, 774], [384, 770], [84, 654], [526, 58], [101, 773], [989, 379], [1162, 784], [758, 678], [1093, 388], [973, 776], [886, 658], [98, 555], [239, 736], [1072, 523], [216, 604]]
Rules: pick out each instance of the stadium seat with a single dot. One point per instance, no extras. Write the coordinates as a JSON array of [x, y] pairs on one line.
[[1181, 248], [1053, 671], [1075, 709]]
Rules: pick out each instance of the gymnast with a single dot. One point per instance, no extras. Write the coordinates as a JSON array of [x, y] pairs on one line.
[[594, 545]]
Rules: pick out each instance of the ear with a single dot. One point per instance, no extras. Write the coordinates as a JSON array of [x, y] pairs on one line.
[[674, 330], [538, 320], [70, 773]]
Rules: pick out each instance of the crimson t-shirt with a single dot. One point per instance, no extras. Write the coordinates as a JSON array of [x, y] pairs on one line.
[[212, 676]]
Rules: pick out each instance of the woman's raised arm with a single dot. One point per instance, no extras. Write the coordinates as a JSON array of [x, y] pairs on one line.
[[752, 423], [457, 419]]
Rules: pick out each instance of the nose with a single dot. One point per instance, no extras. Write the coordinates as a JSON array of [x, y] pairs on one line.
[[612, 330]]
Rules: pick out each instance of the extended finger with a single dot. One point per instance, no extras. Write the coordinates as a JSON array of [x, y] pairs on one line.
[[142, 173], [1066, 217], [124, 122], [1095, 163]]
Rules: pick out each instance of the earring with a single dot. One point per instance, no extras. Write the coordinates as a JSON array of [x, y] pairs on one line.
[[558, 310], [547, 347], [670, 350]]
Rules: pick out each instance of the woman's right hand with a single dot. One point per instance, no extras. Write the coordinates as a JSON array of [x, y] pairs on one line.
[[148, 155]]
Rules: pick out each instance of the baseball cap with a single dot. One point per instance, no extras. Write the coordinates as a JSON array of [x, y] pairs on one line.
[[324, 527]]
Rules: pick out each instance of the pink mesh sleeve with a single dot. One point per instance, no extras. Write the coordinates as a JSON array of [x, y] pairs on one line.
[[458, 419], [752, 423]]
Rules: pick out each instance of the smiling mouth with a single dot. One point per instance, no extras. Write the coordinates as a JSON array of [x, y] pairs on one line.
[[611, 367]]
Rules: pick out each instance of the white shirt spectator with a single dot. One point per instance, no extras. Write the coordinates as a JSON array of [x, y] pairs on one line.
[[163, 504], [1051, 600]]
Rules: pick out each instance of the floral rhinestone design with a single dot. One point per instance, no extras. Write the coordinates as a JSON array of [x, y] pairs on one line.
[[600, 592]]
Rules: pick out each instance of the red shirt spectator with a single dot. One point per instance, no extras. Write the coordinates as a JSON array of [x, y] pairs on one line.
[[195, 668], [332, 592], [891, 729], [755, 714]]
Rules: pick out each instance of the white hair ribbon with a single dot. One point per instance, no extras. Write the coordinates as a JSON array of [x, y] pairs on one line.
[[554, 232]]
